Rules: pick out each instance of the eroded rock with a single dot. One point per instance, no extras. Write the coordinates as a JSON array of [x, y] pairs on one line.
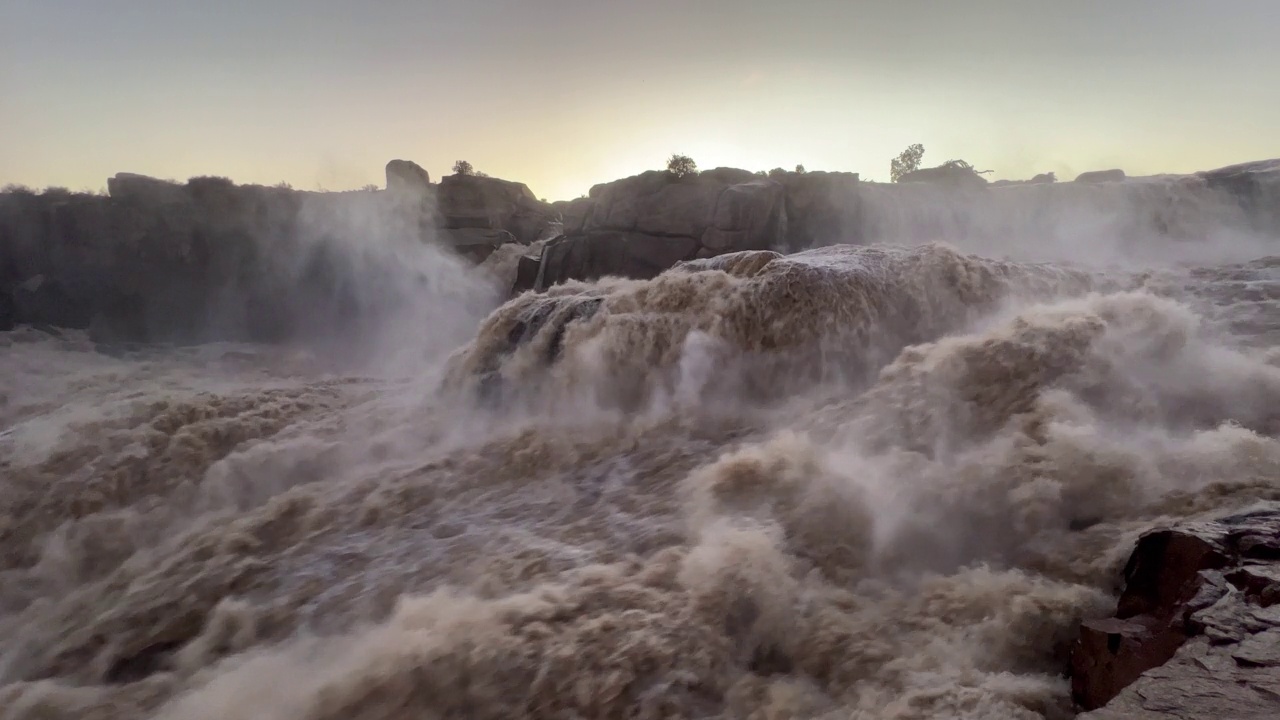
[[1197, 628]]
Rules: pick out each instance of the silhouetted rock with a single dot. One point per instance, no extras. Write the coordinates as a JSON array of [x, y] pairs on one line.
[[1256, 185], [1096, 176], [407, 177], [956, 176], [639, 226], [472, 201], [822, 208], [8, 311], [1197, 627], [475, 243], [1043, 179], [212, 260]]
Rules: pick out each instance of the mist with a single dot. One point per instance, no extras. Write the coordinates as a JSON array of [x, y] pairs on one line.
[[305, 455]]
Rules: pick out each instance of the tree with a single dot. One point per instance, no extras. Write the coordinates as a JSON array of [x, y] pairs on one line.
[[908, 161], [800, 169], [681, 166], [462, 167]]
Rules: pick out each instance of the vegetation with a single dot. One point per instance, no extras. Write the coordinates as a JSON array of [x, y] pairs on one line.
[[962, 165], [681, 166], [462, 167], [800, 170], [907, 162]]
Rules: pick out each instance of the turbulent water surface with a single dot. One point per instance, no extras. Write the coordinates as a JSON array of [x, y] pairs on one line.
[[856, 482]]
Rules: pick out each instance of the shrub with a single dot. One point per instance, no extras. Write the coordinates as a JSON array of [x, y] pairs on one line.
[[681, 166], [800, 169], [462, 167]]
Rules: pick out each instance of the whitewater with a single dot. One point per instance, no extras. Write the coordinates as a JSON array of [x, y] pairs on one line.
[[880, 481]]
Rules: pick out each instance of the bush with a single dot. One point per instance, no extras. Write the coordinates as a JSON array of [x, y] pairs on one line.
[[462, 167], [681, 166], [800, 169], [907, 162]]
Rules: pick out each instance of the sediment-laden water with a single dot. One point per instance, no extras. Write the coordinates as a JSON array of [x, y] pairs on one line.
[[856, 482]]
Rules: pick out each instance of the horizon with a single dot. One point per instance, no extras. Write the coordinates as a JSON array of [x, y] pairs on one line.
[[562, 97]]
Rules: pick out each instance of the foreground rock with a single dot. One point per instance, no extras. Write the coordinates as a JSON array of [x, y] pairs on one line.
[[1197, 628]]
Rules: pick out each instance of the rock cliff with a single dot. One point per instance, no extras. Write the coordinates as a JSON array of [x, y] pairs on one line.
[[208, 259]]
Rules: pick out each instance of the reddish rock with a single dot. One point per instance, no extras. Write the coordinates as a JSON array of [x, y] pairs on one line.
[[1215, 582]]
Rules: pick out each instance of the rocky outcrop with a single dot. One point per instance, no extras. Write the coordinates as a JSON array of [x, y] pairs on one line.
[[1256, 186], [212, 260], [408, 178], [1197, 629], [1097, 176], [487, 203], [953, 175], [640, 226]]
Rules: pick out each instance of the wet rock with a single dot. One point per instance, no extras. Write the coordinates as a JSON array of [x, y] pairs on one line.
[[1097, 176], [1197, 628], [610, 253], [475, 243]]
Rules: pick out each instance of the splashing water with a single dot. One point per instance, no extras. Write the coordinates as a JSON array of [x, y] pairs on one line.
[[867, 482]]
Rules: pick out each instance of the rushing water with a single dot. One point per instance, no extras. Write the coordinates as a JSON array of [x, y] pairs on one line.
[[856, 482]]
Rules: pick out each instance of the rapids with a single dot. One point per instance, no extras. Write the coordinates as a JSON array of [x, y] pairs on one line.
[[854, 482]]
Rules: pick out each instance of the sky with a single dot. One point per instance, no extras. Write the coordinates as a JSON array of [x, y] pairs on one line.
[[563, 94]]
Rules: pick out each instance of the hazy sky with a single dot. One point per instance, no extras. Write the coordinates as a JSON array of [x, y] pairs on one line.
[[562, 94]]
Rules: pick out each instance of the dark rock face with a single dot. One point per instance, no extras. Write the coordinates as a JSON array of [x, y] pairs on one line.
[[475, 202], [1097, 176], [210, 260], [640, 226], [407, 177], [1256, 186], [1197, 628], [955, 176]]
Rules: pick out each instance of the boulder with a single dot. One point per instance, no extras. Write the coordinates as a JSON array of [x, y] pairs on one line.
[[1097, 176], [1196, 626], [407, 177]]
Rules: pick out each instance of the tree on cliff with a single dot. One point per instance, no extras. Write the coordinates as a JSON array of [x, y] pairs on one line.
[[462, 167], [908, 161], [681, 166]]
